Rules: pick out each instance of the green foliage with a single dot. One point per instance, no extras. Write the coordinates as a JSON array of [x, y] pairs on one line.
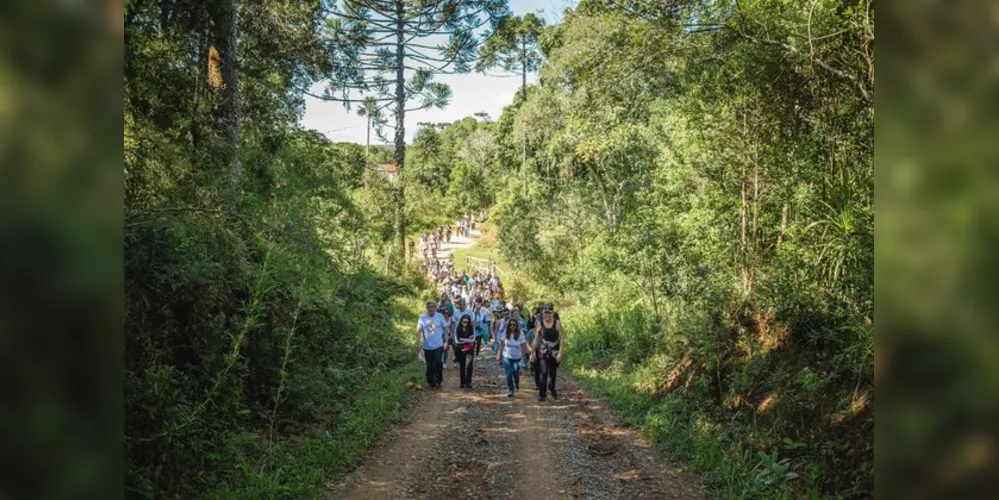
[[699, 183], [263, 353], [302, 467], [452, 164]]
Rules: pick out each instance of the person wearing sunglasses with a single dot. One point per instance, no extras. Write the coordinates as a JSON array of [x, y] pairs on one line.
[[549, 348], [512, 348]]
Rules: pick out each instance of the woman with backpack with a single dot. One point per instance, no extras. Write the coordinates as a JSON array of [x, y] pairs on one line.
[[513, 348], [549, 349]]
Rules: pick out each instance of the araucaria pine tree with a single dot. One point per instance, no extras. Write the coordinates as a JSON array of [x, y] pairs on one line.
[[513, 47], [387, 52]]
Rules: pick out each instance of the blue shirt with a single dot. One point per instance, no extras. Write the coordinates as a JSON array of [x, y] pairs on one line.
[[433, 329]]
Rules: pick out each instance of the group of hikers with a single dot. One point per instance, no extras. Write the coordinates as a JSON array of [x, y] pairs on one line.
[[451, 284], [441, 271], [430, 241], [518, 338], [472, 312]]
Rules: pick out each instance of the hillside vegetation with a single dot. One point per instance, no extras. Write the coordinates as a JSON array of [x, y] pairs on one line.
[[691, 182], [694, 186]]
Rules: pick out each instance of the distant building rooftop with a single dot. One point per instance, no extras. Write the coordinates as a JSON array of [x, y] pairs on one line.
[[386, 170]]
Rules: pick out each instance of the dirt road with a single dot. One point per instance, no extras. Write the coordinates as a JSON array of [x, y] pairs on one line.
[[460, 443]]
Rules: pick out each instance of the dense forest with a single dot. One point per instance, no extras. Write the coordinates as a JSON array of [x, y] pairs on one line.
[[698, 182], [692, 182]]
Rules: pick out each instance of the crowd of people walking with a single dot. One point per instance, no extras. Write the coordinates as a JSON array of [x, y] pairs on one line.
[[472, 315], [518, 342]]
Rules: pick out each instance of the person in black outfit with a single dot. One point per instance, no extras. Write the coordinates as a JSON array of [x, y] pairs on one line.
[[549, 346], [465, 351]]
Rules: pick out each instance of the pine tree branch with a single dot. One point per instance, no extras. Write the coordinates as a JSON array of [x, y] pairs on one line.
[[350, 101], [424, 57], [358, 19]]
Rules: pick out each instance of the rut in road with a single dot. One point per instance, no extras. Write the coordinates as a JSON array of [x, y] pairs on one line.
[[461, 443]]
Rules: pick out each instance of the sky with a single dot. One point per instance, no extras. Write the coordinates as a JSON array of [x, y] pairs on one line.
[[472, 93]]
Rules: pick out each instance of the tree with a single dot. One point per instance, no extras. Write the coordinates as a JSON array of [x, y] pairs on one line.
[[389, 52], [513, 46], [222, 60]]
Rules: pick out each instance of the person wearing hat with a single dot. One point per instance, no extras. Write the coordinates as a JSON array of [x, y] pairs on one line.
[[431, 336], [549, 348]]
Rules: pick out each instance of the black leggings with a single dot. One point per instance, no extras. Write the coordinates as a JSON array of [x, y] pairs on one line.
[[465, 361], [549, 369]]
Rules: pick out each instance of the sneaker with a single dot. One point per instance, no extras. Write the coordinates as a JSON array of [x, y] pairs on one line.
[[509, 394], [541, 398], [554, 394]]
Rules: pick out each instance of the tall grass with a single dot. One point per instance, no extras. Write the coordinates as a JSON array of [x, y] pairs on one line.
[[752, 426], [304, 466]]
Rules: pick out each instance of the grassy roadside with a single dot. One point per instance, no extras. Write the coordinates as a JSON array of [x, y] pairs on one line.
[[304, 466], [304, 461], [478, 252], [483, 248], [691, 439]]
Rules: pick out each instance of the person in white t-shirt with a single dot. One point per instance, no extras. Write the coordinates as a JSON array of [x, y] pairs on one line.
[[432, 332], [513, 348]]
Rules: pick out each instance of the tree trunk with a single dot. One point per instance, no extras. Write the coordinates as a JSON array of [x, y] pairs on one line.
[[523, 69], [227, 113], [653, 284], [756, 212], [367, 146], [194, 128], [523, 90], [400, 127], [743, 251]]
